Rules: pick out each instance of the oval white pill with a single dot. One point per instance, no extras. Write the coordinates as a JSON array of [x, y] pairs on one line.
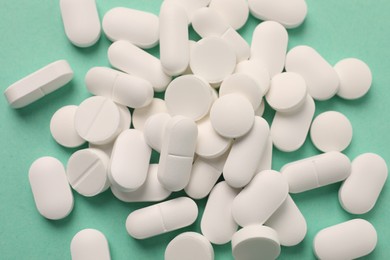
[[232, 115], [138, 27], [89, 244], [81, 21], [189, 245], [360, 191], [154, 130], [141, 115], [257, 70], [355, 78], [348, 240], [52, 194], [235, 12], [161, 218]]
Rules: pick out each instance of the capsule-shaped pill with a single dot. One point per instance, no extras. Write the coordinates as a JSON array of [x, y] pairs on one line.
[[52, 194], [266, 157], [89, 244], [316, 171], [161, 218]]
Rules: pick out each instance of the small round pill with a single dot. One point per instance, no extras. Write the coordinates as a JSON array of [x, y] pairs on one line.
[[141, 115], [189, 246], [154, 130]]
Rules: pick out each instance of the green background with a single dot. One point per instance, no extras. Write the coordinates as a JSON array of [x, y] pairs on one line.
[[32, 36]]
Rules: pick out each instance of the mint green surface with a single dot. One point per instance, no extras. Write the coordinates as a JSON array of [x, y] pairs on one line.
[[32, 36]]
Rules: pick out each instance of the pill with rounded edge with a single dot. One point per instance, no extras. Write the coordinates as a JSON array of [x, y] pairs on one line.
[[266, 157], [189, 245], [154, 130], [141, 115], [89, 244], [235, 12], [257, 70], [190, 6], [161, 218], [52, 194]]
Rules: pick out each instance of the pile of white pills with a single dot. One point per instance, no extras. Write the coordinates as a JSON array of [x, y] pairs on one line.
[[208, 127]]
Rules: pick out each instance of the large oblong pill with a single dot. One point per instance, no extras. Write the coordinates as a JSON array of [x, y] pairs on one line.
[[89, 244], [52, 194], [161, 218]]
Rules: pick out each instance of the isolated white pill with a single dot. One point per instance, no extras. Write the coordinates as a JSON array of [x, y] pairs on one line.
[[161, 218], [289, 130], [355, 78], [257, 70], [316, 171], [235, 12], [38, 84], [348, 240], [154, 130], [217, 223], [129, 58], [255, 242], [141, 115], [81, 21], [138, 27], [190, 6], [321, 79], [360, 191], [89, 244], [52, 194], [189, 246], [266, 157], [232, 115], [260, 199], [122, 88], [290, 13]]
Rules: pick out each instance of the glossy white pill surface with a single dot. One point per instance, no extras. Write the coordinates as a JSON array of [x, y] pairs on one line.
[[257, 70], [141, 115], [161, 218], [348, 240], [190, 246], [235, 12], [89, 244], [52, 194], [190, 6], [154, 130], [360, 191]]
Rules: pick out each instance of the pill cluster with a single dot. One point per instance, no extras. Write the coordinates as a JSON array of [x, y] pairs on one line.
[[208, 125]]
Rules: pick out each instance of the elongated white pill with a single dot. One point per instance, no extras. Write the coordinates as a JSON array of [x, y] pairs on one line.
[[141, 115], [360, 191], [316, 171], [189, 245], [154, 130], [348, 240], [161, 218], [190, 6], [38, 84], [138, 27], [125, 117], [257, 70], [235, 12], [266, 157], [52, 194], [89, 244], [81, 21]]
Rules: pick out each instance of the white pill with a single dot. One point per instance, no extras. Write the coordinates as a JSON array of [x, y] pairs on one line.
[[87, 172], [289, 130], [141, 115], [217, 223], [255, 242], [290, 13], [260, 199], [287, 91], [266, 157], [190, 246], [138, 27], [232, 115], [245, 155], [260, 110], [212, 59], [154, 130], [348, 240], [257, 70], [177, 153], [316, 171], [269, 45], [289, 223], [38, 84], [52, 194], [129, 161], [122, 88], [129, 58], [243, 84], [89, 244], [106, 148], [189, 96], [125, 117], [331, 131], [190, 6], [98, 120], [238, 44], [235, 12], [81, 21], [151, 190], [210, 144], [360, 191], [161, 218], [62, 127], [321, 79], [355, 78]]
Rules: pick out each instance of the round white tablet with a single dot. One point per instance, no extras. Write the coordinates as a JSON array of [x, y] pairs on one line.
[[355, 78], [189, 246], [98, 120], [255, 242], [235, 12], [287, 91], [140, 115], [260, 110], [62, 127], [106, 148], [257, 70], [331, 131], [232, 115], [189, 96], [154, 130], [213, 59]]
